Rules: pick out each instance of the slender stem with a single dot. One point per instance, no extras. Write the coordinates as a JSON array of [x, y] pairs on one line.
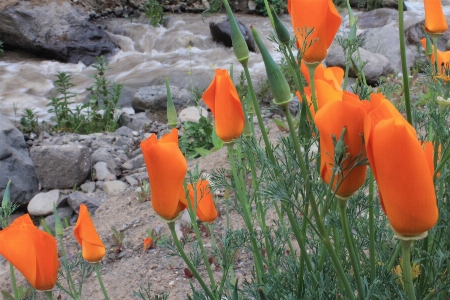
[[350, 244], [13, 280], [394, 257], [434, 38], [99, 277], [242, 198], [430, 295], [188, 262], [192, 214], [258, 115], [406, 270], [48, 295], [311, 70], [404, 66], [315, 210], [66, 267], [372, 261]]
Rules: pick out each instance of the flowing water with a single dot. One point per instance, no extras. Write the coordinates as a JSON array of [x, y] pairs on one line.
[[182, 50]]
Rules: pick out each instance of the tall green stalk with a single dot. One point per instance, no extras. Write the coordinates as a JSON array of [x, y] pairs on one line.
[[100, 281], [13, 280], [401, 30], [373, 270], [406, 270]]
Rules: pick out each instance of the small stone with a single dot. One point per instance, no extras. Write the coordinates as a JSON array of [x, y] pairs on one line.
[[42, 203], [131, 181], [113, 188], [88, 187], [110, 177], [171, 283], [101, 170]]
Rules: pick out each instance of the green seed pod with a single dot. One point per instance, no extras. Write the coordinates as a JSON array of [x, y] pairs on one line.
[[239, 45], [278, 84], [280, 29]]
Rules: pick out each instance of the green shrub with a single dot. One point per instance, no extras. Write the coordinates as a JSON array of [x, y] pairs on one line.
[[280, 6], [154, 11]]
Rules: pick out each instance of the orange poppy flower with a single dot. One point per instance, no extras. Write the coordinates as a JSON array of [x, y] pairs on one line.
[[206, 210], [327, 82], [443, 57], [435, 21], [92, 248], [330, 120], [166, 167], [148, 244], [222, 98], [401, 169], [320, 15], [32, 251]]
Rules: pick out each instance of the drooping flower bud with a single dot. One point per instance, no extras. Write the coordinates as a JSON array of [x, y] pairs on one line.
[[278, 84], [239, 45]]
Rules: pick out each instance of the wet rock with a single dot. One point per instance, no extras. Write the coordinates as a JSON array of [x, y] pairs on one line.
[[221, 32], [65, 35], [113, 188], [42, 203], [76, 199], [61, 167], [155, 98], [16, 164]]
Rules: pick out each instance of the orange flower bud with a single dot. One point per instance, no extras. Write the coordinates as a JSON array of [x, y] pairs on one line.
[[401, 169], [166, 167], [148, 244], [222, 98], [92, 248], [320, 14], [32, 251], [435, 21], [330, 120], [443, 57], [206, 210]]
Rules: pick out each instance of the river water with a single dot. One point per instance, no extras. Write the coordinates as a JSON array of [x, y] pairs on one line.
[[183, 51]]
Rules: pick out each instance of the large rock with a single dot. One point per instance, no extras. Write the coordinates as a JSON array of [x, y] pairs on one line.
[[55, 31], [16, 164], [388, 46], [377, 18], [221, 32], [61, 167], [155, 98], [378, 65]]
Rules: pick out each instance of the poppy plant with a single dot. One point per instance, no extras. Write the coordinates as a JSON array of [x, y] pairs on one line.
[[435, 22], [222, 98], [401, 169], [350, 172], [32, 251], [148, 244], [166, 167], [320, 15], [92, 248], [206, 210]]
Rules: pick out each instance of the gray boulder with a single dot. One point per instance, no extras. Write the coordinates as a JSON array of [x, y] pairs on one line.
[[414, 33], [76, 199], [378, 65], [155, 98], [16, 164], [61, 167], [221, 32], [377, 18], [55, 31]]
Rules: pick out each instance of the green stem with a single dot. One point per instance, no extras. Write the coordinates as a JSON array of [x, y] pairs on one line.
[[373, 270], [242, 198], [430, 295], [188, 262], [192, 214], [13, 280], [66, 267], [99, 277], [315, 210], [404, 66], [406, 270], [350, 244], [434, 38], [48, 295], [311, 70], [394, 257], [258, 115]]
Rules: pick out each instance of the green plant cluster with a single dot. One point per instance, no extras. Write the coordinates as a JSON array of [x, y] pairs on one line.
[[154, 11], [196, 136], [280, 6]]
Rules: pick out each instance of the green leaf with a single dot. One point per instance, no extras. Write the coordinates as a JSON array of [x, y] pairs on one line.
[[202, 151], [217, 142]]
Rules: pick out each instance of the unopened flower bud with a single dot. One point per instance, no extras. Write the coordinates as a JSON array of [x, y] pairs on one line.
[[278, 84], [172, 120], [239, 45], [280, 29]]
